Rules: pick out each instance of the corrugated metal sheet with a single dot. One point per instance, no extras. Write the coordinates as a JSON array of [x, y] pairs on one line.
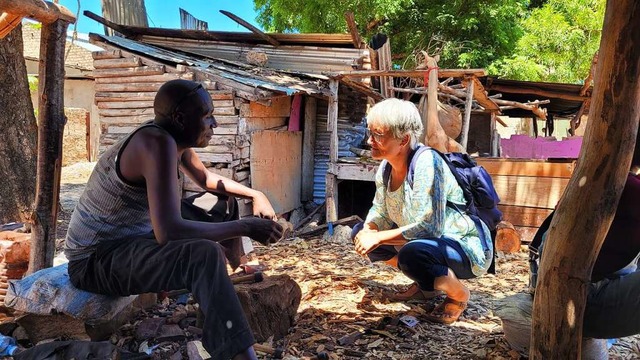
[[190, 22], [349, 134], [311, 59], [271, 80], [131, 12], [319, 39]]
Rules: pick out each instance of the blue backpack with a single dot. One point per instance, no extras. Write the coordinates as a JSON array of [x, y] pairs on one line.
[[480, 195]]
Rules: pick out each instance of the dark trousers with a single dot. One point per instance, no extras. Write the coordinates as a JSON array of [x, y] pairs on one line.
[[141, 265], [424, 260]]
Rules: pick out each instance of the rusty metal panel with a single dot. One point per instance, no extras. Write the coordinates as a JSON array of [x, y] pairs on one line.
[[124, 12], [190, 22], [308, 59]]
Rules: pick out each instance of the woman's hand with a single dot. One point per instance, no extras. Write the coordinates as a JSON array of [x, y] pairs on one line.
[[366, 241], [262, 207]]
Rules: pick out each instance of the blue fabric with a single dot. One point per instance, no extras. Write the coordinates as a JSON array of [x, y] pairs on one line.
[[424, 260]]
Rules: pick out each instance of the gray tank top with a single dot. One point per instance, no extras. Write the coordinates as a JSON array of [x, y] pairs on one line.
[[109, 208]]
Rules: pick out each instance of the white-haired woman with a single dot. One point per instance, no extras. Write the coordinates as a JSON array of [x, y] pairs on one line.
[[410, 225]]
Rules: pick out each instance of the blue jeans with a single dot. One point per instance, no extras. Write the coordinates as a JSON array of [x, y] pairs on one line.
[[424, 260]]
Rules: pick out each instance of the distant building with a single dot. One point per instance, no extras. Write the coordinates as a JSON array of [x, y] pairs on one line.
[[79, 88]]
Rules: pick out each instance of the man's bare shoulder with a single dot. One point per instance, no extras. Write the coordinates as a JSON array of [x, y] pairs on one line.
[[152, 140]]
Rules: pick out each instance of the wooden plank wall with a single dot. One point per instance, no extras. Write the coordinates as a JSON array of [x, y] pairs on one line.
[[276, 167], [528, 189], [126, 85]]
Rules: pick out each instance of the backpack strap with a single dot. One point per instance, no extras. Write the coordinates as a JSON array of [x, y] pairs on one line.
[[413, 160], [534, 252]]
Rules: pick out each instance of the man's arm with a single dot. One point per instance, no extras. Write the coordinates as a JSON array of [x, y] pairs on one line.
[[193, 167], [153, 156]]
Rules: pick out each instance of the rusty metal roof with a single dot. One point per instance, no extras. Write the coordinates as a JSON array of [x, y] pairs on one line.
[[288, 83]]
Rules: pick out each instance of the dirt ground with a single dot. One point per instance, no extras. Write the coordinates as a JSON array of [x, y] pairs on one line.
[[342, 293]]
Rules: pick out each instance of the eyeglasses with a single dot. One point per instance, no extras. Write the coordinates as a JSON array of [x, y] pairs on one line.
[[374, 136], [186, 96]]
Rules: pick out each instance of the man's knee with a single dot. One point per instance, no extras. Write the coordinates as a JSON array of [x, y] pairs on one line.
[[203, 251]]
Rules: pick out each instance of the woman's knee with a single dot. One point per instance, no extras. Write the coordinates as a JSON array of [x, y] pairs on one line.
[[414, 253]]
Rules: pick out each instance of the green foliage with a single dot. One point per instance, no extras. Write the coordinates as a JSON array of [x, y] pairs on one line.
[[33, 83], [560, 40], [464, 33], [536, 40]]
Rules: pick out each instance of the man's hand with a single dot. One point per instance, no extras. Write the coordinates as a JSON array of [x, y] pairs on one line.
[[264, 231], [366, 241], [262, 207]]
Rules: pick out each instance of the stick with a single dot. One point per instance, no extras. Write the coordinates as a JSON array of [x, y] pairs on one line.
[[276, 353], [251, 278]]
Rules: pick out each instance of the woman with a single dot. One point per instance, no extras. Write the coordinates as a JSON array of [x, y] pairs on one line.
[[410, 226]]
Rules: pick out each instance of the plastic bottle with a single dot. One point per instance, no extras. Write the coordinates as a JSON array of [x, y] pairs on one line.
[[8, 345]]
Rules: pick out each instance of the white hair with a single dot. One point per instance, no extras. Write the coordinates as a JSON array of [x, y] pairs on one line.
[[400, 117]]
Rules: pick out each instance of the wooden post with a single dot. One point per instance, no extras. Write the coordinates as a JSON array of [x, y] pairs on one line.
[[495, 137], [589, 203], [308, 147], [331, 194], [51, 122], [464, 136], [385, 63]]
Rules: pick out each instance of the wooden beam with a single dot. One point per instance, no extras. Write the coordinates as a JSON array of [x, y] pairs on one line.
[[480, 95], [353, 30], [370, 92], [252, 28], [8, 22], [308, 147], [332, 121], [44, 11], [331, 192], [538, 92], [466, 119], [442, 73], [51, 120]]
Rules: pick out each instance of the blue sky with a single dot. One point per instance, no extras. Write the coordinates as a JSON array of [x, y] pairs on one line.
[[165, 14]]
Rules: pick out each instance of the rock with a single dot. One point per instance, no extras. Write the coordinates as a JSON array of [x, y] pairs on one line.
[[287, 229], [270, 306], [149, 328], [170, 333], [296, 216], [341, 235], [195, 351]]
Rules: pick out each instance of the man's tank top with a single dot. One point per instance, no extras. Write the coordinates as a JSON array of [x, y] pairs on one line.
[[109, 208]]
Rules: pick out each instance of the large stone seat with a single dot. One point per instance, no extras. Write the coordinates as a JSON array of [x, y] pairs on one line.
[[54, 308]]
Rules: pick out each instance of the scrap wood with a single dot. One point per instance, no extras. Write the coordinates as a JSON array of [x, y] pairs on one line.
[[350, 221], [304, 221]]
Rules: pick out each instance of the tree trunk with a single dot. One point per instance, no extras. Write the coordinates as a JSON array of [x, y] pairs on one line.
[[18, 131], [586, 210], [51, 121]]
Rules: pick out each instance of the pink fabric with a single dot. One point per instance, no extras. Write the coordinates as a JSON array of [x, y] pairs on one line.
[[294, 118]]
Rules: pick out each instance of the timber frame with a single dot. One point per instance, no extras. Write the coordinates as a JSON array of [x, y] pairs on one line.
[[51, 119], [366, 171]]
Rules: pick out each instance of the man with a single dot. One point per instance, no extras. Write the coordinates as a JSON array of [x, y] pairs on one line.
[[128, 235], [612, 296]]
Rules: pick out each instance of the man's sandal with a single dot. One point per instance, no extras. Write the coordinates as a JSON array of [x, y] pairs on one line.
[[413, 292], [448, 312]]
